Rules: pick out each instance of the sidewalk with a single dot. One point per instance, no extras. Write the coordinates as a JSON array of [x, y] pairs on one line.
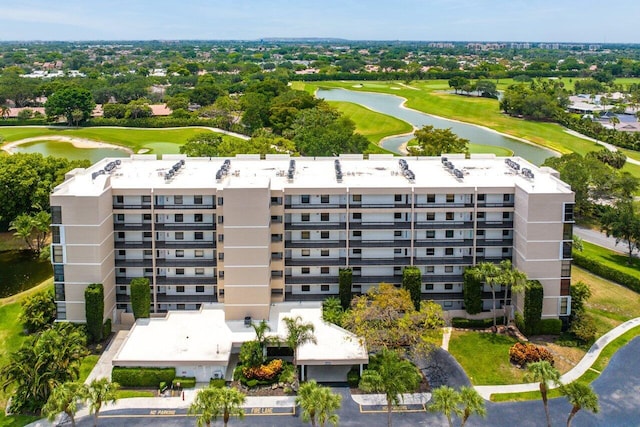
[[103, 367], [487, 390]]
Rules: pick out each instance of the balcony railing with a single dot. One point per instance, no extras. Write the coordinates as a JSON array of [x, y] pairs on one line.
[[324, 243]]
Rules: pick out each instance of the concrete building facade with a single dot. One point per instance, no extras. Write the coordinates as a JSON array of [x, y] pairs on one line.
[[249, 233]]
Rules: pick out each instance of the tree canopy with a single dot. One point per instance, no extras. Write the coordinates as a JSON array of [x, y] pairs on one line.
[[74, 103], [432, 141]]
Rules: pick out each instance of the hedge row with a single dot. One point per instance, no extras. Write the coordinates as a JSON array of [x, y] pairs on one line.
[[142, 377], [610, 273], [549, 327], [459, 322], [94, 311], [533, 298], [185, 382]]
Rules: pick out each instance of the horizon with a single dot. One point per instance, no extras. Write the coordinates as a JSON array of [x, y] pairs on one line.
[[252, 20]]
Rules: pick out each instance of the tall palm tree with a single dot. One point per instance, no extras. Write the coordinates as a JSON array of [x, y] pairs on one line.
[[614, 120], [513, 279], [472, 403], [488, 273], [543, 372], [445, 399], [391, 375], [4, 111], [65, 398], [318, 402], [211, 403], [23, 227], [580, 396], [100, 392], [261, 330], [298, 333]]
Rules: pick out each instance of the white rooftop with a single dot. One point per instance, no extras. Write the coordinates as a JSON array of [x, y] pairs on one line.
[[203, 337], [381, 171]]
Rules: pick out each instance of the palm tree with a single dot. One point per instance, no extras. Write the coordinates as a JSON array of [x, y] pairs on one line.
[[261, 330], [472, 403], [513, 279], [318, 402], [543, 372], [446, 400], [580, 396], [391, 375], [4, 111], [23, 227], [298, 333], [211, 403], [614, 120], [100, 392], [488, 273], [65, 398]]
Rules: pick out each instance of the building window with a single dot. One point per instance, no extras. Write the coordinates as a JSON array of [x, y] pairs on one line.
[[431, 198], [506, 197], [324, 198], [397, 197], [179, 271], [481, 215], [148, 252], [397, 251], [430, 269], [220, 238], [305, 288], [481, 197], [449, 216], [56, 215], [357, 251], [448, 251], [480, 232], [178, 217], [566, 250], [197, 217], [448, 286], [567, 231], [324, 288], [356, 198], [431, 216], [120, 234], [220, 201], [197, 200], [506, 215], [304, 198], [221, 256], [120, 217], [122, 252], [305, 235], [200, 289], [324, 252], [146, 217], [324, 216], [397, 215], [180, 289], [448, 304], [220, 219], [221, 276], [58, 273], [505, 250], [356, 215], [122, 270], [179, 235], [451, 198], [177, 200], [305, 270], [563, 306], [198, 235], [179, 253], [304, 217], [568, 212], [430, 251], [431, 234], [199, 253], [566, 269], [505, 233], [324, 270], [397, 233], [55, 234], [324, 234], [199, 271], [428, 286], [357, 233], [120, 199], [306, 252], [448, 268], [448, 234]]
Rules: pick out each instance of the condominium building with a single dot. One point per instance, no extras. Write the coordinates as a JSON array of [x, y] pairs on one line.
[[249, 233]]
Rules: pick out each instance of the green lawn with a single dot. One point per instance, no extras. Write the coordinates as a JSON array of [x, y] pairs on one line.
[[485, 357], [136, 139], [612, 259], [87, 366], [16, 420]]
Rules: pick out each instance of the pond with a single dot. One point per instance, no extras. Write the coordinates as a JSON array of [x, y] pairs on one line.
[[392, 106], [21, 270], [67, 150]]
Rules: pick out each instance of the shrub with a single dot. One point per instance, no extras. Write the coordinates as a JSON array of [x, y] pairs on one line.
[[332, 311], [288, 374], [519, 321], [106, 328], [353, 378], [38, 311], [251, 383], [549, 327], [533, 297], [345, 280], [142, 377], [251, 354], [412, 281], [472, 293], [523, 353], [185, 382], [94, 310], [607, 272], [584, 328], [460, 322], [263, 372], [217, 383], [140, 297]]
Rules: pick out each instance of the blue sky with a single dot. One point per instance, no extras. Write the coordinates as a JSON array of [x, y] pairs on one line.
[[504, 20]]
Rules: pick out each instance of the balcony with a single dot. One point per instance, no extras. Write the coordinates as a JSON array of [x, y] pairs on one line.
[[496, 204], [186, 262], [173, 298], [120, 244], [390, 225], [126, 226], [117, 206], [439, 225], [353, 261], [315, 244], [308, 225], [308, 262], [134, 262], [392, 279], [393, 205], [357, 243], [456, 205], [186, 244], [186, 280], [447, 260], [495, 224], [494, 242], [313, 206], [310, 280], [185, 226], [442, 278], [307, 296], [440, 243], [181, 207]]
